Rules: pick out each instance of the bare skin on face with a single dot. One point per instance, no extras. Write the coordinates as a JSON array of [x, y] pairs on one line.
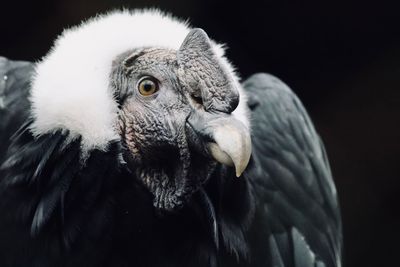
[[173, 105]]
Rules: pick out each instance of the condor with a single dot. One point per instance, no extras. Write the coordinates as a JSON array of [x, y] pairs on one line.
[[133, 143]]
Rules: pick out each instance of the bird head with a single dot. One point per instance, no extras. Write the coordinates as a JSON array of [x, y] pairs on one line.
[[175, 117], [147, 81]]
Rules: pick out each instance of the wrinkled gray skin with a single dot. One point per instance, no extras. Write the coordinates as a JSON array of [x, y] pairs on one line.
[[166, 134]]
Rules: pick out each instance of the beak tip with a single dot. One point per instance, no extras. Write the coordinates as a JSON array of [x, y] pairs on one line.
[[241, 167]]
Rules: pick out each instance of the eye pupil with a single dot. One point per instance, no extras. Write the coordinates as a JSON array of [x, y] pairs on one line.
[[148, 87]]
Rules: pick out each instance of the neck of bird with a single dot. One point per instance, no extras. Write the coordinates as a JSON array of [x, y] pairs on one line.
[[58, 191]]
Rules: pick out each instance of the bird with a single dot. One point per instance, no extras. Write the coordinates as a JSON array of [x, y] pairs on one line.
[[134, 142]]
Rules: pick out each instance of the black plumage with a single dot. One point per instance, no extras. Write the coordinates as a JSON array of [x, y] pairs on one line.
[[57, 209]]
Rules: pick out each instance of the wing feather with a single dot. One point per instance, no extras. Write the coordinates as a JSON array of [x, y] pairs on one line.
[[291, 177]]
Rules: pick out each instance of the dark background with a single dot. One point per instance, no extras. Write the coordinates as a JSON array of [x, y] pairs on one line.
[[342, 59]]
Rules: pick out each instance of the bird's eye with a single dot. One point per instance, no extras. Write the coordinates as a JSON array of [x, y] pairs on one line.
[[147, 86]]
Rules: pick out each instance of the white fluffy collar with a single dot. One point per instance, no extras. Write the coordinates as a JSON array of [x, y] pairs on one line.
[[70, 88]]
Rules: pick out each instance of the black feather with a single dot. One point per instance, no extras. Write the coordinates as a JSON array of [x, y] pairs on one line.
[[292, 180], [211, 217]]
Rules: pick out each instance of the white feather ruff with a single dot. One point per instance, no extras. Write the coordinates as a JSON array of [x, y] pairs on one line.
[[70, 88]]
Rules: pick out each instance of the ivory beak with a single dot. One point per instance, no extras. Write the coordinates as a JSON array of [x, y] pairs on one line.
[[232, 145]]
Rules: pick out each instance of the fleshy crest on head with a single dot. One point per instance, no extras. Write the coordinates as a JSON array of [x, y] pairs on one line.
[[70, 89]]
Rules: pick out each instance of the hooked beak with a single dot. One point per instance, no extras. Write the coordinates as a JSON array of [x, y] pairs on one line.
[[229, 140]]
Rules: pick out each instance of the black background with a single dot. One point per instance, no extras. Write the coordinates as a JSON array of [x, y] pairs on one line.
[[342, 59]]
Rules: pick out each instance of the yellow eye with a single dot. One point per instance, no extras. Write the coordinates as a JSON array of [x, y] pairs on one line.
[[147, 86]]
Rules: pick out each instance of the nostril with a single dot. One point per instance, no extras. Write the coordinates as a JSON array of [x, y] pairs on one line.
[[197, 100], [226, 103]]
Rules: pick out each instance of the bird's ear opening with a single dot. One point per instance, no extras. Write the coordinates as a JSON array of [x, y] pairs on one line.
[[131, 58]]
